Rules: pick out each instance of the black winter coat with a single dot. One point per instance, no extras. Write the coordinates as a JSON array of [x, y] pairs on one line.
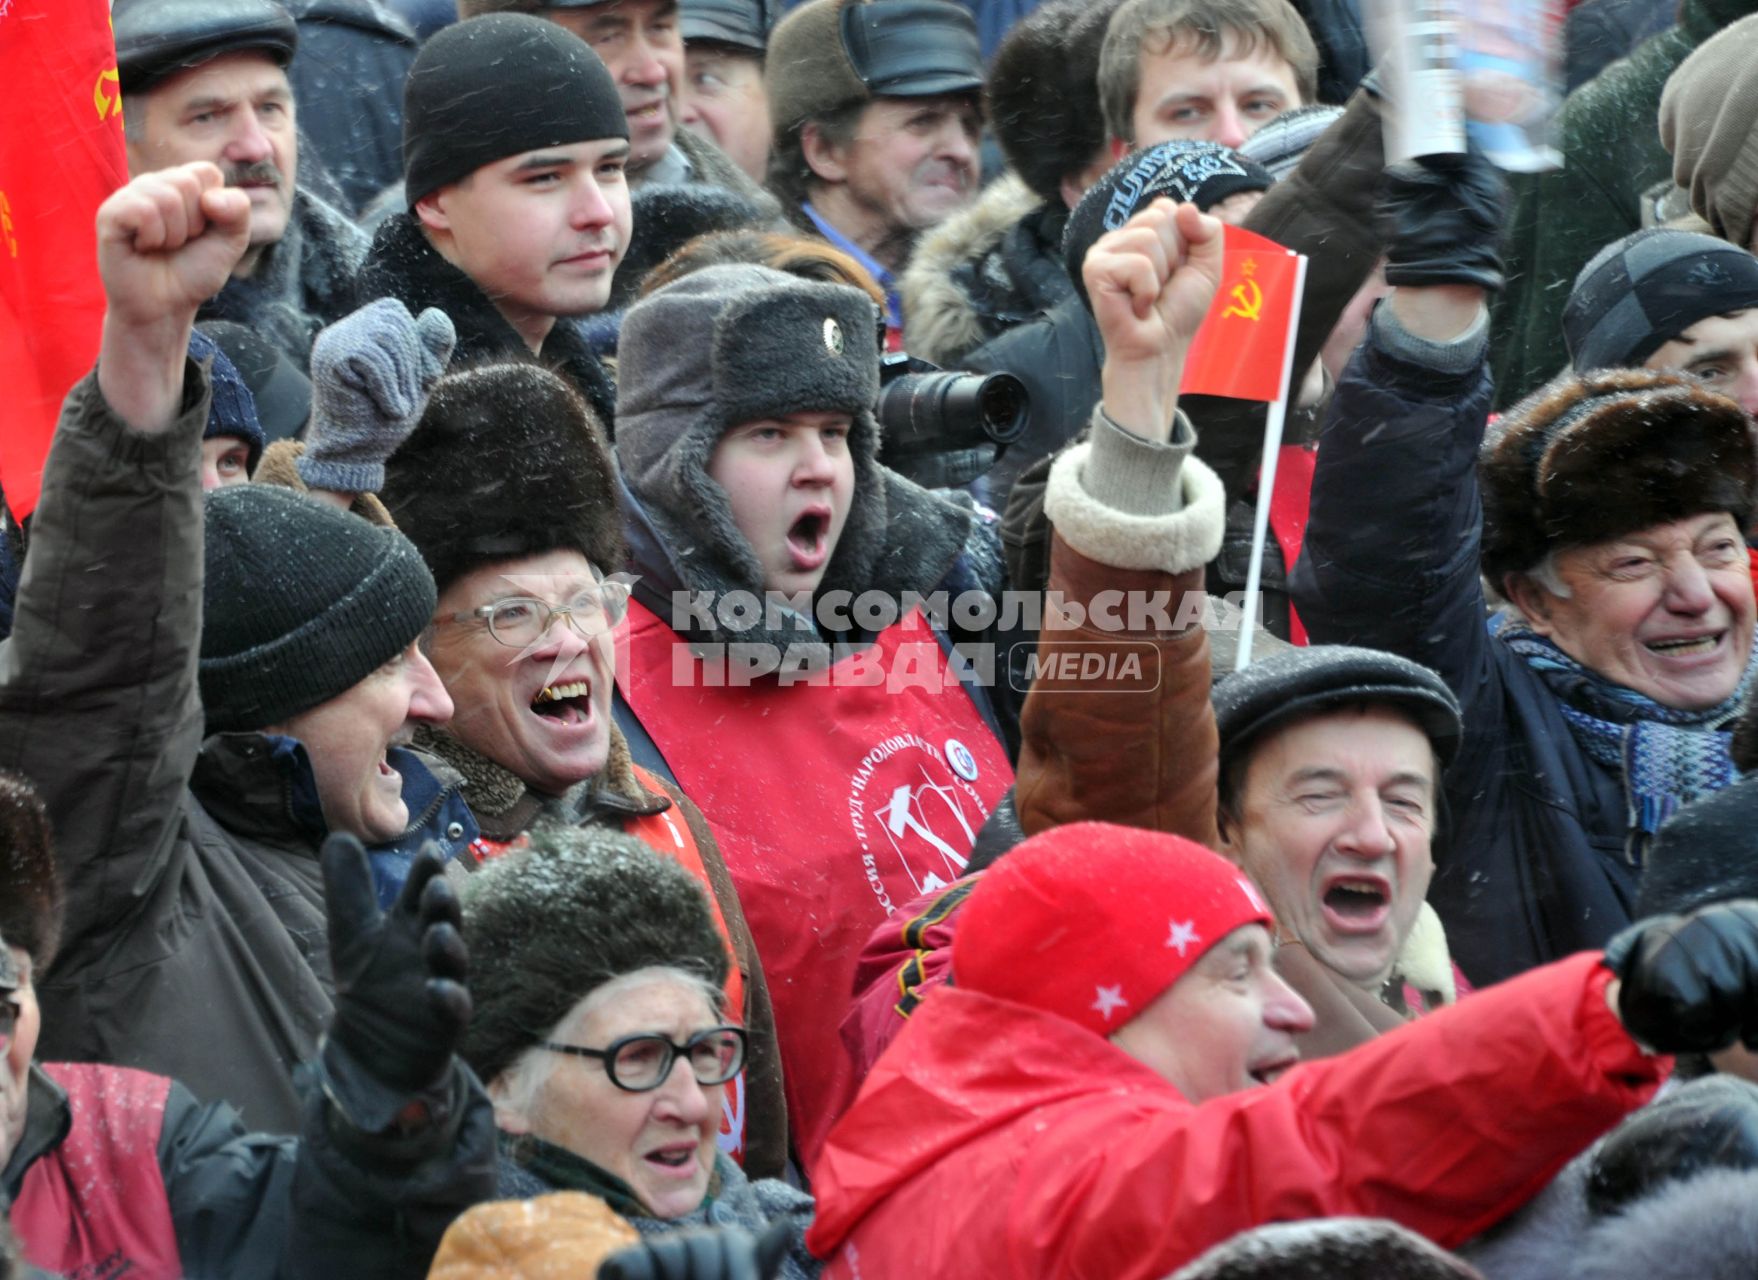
[[402, 264], [348, 81], [1531, 863]]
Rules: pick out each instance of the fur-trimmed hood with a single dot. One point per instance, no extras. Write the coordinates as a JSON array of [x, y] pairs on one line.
[[995, 265], [1595, 456], [402, 264]]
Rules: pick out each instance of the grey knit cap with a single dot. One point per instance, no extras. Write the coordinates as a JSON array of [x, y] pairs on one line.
[[733, 344], [548, 924], [301, 602], [1280, 145]]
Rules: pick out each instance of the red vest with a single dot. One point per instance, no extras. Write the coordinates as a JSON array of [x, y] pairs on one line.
[[96, 1206], [836, 799], [668, 833]]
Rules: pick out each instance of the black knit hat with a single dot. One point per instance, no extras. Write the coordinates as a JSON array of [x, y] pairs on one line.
[[31, 900], [1600, 454], [508, 462], [232, 410], [156, 39], [1300, 682], [498, 86], [1639, 293], [1044, 93], [1185, 169], [547, 925], [301, 602], [1703, 853]]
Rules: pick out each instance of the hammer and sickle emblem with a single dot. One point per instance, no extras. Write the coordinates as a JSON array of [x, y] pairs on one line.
[[1248, 300], [106, 104], [6, 226]]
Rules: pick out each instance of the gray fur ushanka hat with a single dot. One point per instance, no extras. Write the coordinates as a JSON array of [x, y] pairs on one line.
[[548, 924], [732, 344]]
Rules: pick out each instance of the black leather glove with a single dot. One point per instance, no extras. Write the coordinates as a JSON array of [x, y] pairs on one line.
[[1711, 1123], [1442, 221], [1690, 983], [401, 1003], [722, 1254]]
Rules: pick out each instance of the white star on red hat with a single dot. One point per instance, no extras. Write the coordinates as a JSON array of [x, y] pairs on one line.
[[1109, 1000], [1183, 934]]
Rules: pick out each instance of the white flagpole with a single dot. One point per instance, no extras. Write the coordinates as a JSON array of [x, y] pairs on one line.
[[1266, 480]]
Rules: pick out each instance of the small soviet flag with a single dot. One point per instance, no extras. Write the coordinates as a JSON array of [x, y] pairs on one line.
[[61, 153], [1242, 347]]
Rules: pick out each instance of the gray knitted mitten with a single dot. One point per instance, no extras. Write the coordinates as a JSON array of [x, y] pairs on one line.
[[371, 374]]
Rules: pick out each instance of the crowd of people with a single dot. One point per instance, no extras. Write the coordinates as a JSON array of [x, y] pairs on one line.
[[480, 647]]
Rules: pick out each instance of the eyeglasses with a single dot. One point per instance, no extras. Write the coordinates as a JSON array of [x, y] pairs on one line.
[[638, 1063], [10, 1013], [521, 620]]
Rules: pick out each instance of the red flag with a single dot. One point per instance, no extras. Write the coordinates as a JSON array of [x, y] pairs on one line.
[[61, 153], [1242, 346]]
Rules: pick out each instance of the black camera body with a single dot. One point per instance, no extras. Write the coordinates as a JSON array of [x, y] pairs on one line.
[[942, 429]]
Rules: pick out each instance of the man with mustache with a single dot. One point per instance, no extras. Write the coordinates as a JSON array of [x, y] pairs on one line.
[[877, 110], [207, 80]]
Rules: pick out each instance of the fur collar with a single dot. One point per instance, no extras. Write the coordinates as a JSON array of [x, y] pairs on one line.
[[505, 807], [1424, 962], [942, 316], [402, 264], [302, 282]]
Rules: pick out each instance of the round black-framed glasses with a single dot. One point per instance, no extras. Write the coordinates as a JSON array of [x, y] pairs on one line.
[[642, 1062]]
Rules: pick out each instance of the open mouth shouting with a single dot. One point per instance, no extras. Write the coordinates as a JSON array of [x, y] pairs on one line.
[[1357, 903], [808, 539], [565, 705]]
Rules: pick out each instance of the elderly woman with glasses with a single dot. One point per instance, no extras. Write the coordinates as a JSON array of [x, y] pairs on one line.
[[600, 1027], [507, 489]]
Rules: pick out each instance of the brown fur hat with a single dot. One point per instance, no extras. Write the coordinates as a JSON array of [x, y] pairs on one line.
[[508, 462], [1598, 455], [30, 883]]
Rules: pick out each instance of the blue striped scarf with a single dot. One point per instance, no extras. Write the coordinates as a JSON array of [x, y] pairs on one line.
[[1665, 756]]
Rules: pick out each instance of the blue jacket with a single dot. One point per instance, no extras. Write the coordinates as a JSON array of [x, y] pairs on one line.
[[1531, 862]]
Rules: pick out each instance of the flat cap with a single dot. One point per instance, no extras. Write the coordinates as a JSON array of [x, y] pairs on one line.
[[156, 39], [744, 24], [1302, 682]]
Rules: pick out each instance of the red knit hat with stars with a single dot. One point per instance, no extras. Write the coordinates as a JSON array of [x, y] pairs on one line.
[[1093, 921]]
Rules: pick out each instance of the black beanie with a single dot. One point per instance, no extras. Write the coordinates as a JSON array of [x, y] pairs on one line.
[[497, 86], [1639, 293], [301, 602], [1185, 170]]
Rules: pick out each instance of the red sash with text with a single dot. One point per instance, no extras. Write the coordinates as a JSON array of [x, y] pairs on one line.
[[836, 799]]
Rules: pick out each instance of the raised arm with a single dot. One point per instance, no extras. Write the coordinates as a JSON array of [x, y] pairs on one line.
[[1136, 518], [98, 702]]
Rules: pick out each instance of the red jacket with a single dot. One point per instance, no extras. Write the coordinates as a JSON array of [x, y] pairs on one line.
[[996, 1140]]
